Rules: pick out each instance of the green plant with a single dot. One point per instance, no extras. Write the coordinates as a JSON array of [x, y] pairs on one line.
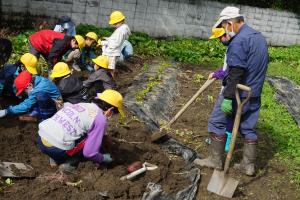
[[198, 78], [9, 182], [152, 82], [146, 67]]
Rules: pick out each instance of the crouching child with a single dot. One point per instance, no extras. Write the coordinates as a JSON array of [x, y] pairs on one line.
[[70, 86], [42, 99], [101, 79], [77, 130]]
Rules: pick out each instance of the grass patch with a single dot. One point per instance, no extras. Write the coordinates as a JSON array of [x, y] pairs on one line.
[[279, 125]]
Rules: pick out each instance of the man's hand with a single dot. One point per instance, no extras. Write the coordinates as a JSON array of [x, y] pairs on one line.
[[107, 158], [211, 76], [226, 106], [3, 113]]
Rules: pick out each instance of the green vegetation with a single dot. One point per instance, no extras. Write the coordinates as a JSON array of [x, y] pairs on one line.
[[278, 124], [152, 82]]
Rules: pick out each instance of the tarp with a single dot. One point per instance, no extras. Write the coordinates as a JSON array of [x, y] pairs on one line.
[[287, 93], [154, 110]]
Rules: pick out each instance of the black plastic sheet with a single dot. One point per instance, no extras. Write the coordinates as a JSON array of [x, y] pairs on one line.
[[153, 111], [287, 93]]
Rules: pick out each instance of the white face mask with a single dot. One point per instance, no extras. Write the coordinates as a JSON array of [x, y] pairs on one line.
[[230, 33]]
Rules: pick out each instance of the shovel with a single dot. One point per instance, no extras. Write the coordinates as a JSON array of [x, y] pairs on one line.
[[10, 169], [220, 183], [160, 134]]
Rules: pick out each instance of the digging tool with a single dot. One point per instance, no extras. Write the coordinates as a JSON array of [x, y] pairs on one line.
[[146, 166], [158, 135], [10, 169], [220, 183]]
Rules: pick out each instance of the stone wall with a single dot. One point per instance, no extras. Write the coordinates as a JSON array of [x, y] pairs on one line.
[[159, 18]]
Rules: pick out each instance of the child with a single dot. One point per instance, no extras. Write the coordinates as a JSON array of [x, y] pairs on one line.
[[88, 52], [112, 46], [42, 96], [70, 86], [78, 130], [9, 72], [53, 45], [101, 78]]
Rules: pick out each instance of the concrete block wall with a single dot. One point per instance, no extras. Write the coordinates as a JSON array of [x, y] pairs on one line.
[[159, 18]]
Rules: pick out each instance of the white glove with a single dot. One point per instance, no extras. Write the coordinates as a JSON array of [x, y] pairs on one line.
[[73, 55], [3, 113]]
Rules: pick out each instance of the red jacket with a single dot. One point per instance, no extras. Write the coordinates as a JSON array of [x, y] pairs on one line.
[[52, 45], [43, 40]]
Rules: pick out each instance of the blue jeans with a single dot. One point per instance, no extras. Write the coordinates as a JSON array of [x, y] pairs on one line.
[[44, 108], [218, 122], [127, 50]]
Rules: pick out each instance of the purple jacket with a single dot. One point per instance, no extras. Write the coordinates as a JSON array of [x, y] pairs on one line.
[[91, 149]]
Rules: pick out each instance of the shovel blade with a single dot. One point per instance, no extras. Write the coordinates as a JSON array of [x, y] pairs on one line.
[[222, 184]]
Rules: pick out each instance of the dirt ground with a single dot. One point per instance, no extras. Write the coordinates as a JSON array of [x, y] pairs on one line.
[[131, 143]]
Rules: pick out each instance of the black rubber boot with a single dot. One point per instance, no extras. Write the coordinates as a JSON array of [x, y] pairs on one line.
[[247, 166], [215, 159]]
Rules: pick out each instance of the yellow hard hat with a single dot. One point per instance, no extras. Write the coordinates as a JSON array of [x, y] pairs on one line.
[[60, 69], [113, 98], [217, 32], [80, 41], [101, 61], [92, 35], [30, 62], [115, 17]]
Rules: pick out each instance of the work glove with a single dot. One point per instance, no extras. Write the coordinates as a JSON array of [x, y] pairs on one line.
[[73, 55], [3, 113], [107, 158], [226, 106]]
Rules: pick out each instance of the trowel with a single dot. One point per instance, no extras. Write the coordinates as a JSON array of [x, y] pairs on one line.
[[11, 169]]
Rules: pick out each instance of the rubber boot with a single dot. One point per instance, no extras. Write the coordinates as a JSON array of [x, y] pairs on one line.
[[214, 160], [249, 156]]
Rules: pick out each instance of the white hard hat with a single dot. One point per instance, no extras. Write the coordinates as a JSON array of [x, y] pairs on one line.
[[228, 13]]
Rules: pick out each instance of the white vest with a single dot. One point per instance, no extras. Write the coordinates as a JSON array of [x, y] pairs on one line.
[[68, 124]]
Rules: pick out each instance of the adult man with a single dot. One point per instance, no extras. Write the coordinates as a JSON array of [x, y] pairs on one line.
[[247, 60], [65, 25]]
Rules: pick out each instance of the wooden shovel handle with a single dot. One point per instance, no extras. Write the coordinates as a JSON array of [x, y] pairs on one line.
[[203, 88], [237, 120]]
